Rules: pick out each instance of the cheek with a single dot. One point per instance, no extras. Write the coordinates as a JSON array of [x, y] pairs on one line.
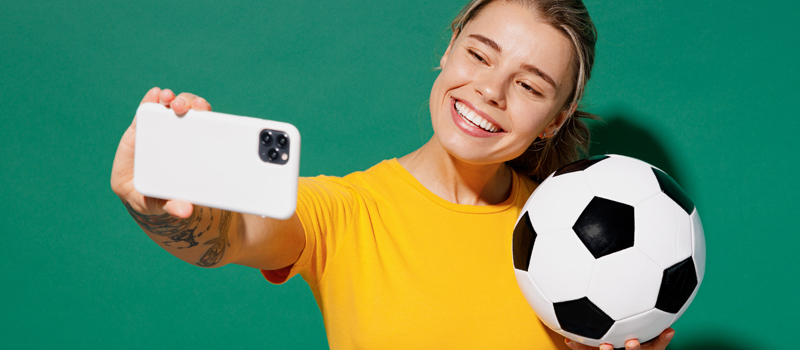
[[456, 73], [531, 122], [460, 71], [437, 96], [448, 80]]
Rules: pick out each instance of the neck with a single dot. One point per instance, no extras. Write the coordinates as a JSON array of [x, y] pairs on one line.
[[455, 180]]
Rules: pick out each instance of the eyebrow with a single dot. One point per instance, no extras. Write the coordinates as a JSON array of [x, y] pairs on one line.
[[540, 73], [491, 43], [527, 67]]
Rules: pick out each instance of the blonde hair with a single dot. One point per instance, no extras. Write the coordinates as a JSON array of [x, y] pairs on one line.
[[571, 142]]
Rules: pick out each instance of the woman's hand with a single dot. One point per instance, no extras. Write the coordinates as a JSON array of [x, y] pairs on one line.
[[659, 343], [122, 170]]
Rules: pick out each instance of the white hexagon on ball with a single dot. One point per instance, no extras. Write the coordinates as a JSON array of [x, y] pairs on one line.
[[559, 254], [659, 233], [644, 327], [537, 299], [627, 275], [557, 207], [623, 179]]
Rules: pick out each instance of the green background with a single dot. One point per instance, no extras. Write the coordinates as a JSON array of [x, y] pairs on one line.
[[705, 90]]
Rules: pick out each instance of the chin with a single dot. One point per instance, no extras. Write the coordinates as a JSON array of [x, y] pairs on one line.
[[468, 152]]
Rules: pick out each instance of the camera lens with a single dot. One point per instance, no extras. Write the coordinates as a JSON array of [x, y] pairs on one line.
[[273, 154], [282, 141], [266, 138]]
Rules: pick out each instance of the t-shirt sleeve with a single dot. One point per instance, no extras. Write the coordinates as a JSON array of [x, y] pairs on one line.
[[325, 207]]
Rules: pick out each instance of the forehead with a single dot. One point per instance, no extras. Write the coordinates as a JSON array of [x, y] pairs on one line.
[[524, 38]]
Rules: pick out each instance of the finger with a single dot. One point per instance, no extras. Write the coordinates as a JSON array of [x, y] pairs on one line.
[[165, 97], [151, 96], [577, 346], [632, 344], [661, 342], [150, 205], [200, 104], [178, 208], [182, 103]]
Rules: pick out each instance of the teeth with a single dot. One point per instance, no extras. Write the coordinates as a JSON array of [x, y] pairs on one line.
[[470, 115]]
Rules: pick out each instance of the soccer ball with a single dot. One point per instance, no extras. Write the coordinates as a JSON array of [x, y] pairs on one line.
[[608, 249]]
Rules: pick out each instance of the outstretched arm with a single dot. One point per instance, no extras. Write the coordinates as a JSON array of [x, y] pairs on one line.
[[202, 236]]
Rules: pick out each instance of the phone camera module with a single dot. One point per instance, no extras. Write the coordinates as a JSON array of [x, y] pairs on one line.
[[273, 146]]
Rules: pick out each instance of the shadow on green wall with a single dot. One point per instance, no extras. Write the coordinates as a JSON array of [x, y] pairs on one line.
[[618, 133]]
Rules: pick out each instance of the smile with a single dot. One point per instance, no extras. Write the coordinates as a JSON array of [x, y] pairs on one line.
[[470, 115]]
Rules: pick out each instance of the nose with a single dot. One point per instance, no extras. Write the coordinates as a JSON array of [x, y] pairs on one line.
[[492, 90]]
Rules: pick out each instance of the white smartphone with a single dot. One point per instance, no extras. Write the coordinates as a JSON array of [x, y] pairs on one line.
[[223, 161]]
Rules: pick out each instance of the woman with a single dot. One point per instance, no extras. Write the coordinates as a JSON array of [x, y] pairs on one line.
[[413, 253]]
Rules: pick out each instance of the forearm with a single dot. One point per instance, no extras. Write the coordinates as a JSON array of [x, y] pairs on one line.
[[202, 239]]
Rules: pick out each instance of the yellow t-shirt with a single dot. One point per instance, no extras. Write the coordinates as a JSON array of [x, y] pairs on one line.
[[393, 266]]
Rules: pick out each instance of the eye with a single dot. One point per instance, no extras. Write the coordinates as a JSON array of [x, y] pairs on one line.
[[476, 56], [530, 89]]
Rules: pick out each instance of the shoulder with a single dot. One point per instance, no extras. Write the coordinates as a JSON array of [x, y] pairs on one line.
[[383, 171], [356, 184]]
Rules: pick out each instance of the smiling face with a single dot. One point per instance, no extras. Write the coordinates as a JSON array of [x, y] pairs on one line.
[[505, 79]]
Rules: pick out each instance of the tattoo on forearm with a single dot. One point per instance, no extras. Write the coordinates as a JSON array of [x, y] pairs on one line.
[[214, 254], [162, 225], [187, 230], [176, 229]]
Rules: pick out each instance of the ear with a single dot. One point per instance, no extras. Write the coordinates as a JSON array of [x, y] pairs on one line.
[[561, 118], [443, 61]]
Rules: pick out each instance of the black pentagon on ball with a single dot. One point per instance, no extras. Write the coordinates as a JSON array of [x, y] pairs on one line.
[[579, 165], [677, 285], [674, 191], [524, 236], [605, 227], [582, 317]]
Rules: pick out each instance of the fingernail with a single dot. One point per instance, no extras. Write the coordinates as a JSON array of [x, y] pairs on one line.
[[606, 347], [669, 336], [568, 342], [179, 102]]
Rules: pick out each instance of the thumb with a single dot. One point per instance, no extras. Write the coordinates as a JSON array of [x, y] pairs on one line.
[[178, 208]]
